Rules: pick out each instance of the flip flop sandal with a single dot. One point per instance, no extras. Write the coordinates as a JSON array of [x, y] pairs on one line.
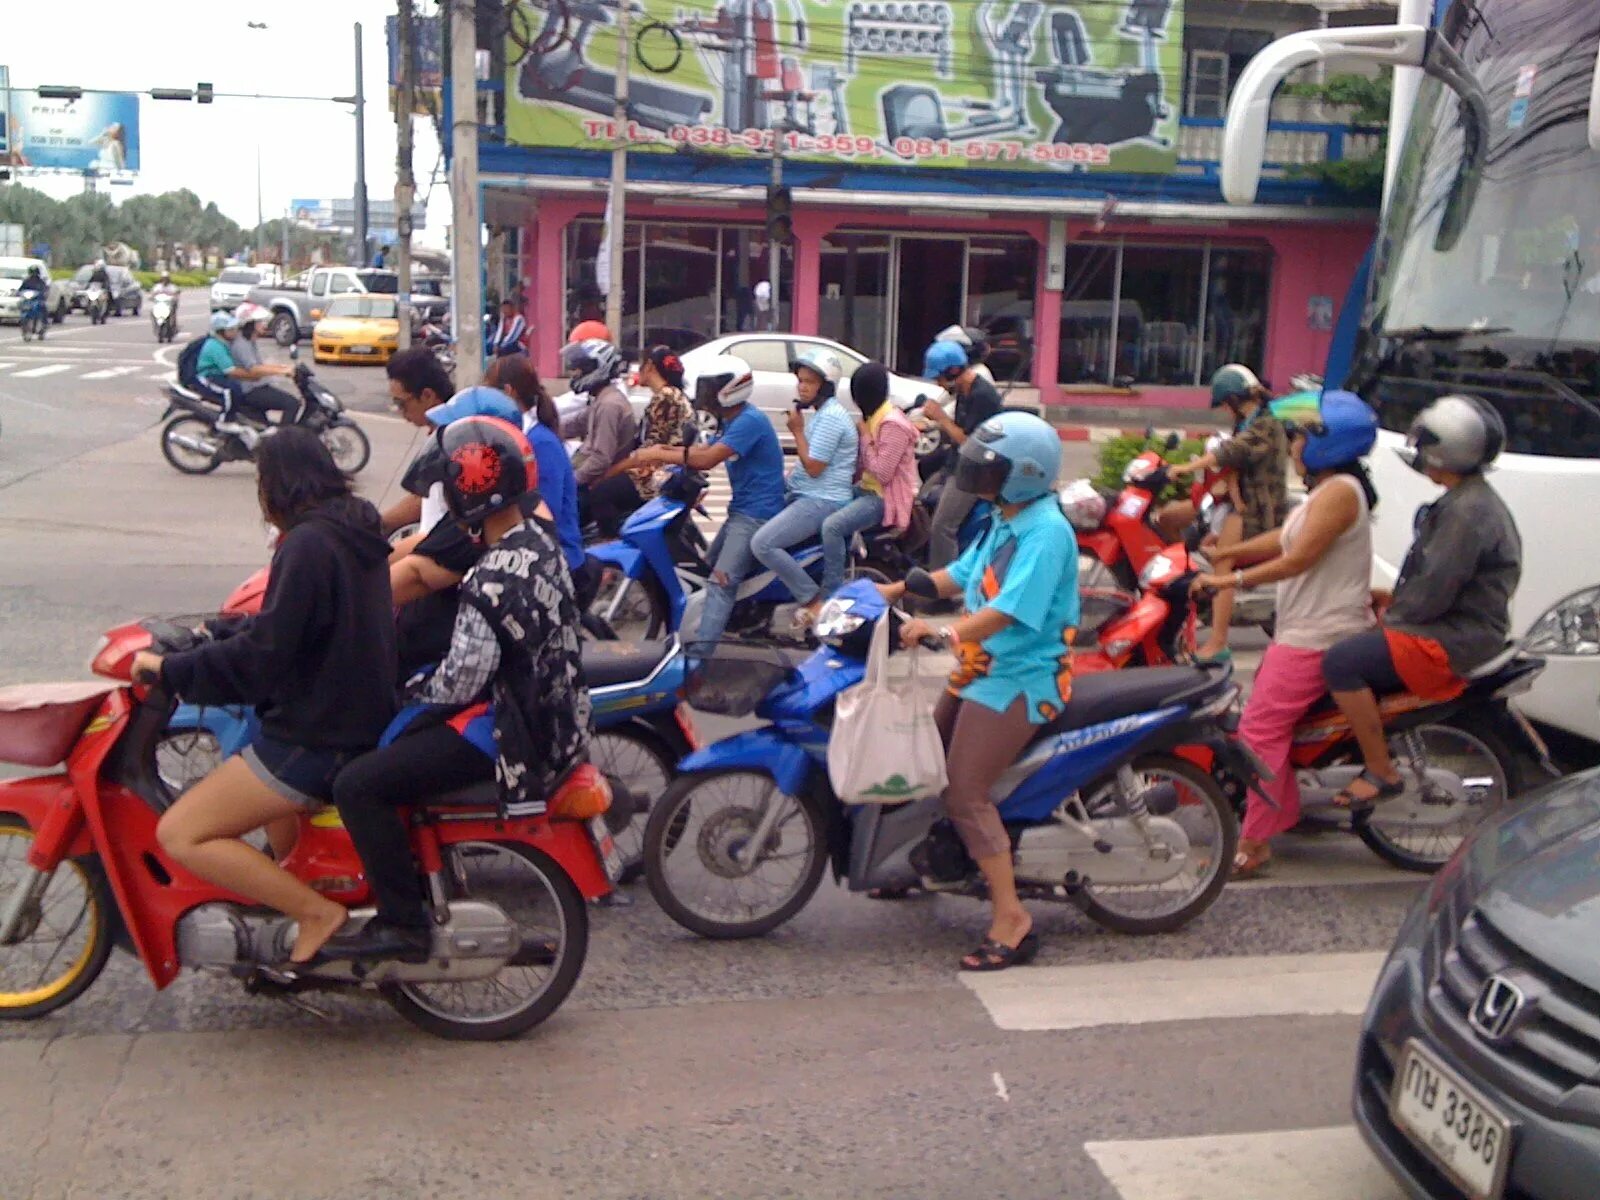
[[1386, 789], [997, 956], [1249, 866]]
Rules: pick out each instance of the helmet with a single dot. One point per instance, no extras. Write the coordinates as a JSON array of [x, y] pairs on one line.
[[99, 262], [1455, 433], [583, 331], [1230, 381], [487, 466], [223, 320], [1345, 432], [1084, 506], [942, 358], [425, 470], [592, 363], [973, 340], [166, 277], [724, 382], [248, 313], [1014, 455], [825, 363]]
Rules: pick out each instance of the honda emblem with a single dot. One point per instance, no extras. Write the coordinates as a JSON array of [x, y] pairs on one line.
[[1496, 1008]]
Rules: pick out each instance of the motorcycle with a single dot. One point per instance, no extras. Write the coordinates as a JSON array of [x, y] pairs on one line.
[[84, 870], [98, 303], [435, 335], [1101, 813], [164, 316], [35, 320]]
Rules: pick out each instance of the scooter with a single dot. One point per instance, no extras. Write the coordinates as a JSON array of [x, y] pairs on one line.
[[85, 870], [34, 319], [164, 316], [1101, 813], [98, 303]]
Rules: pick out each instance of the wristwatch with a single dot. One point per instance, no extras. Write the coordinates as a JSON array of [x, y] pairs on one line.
[[948, 635]]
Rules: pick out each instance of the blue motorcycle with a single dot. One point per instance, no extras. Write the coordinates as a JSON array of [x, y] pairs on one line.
[[1102, 813]]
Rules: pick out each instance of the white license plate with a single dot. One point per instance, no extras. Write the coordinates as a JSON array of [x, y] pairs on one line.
[[360, 350], [1460, 1131], [605, 845]]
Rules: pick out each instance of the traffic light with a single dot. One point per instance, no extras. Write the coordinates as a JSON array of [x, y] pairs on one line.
[[202, 93], [780, 213]]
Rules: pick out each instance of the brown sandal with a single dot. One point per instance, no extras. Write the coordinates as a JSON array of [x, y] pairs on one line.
[[1252, 861]]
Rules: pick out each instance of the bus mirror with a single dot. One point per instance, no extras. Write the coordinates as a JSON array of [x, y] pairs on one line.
[[1244, 137]]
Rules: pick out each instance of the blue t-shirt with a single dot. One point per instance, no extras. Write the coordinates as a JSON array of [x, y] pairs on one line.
[[215, 359], [831, 438], [756, 469], [1027, 568], [559, 487]]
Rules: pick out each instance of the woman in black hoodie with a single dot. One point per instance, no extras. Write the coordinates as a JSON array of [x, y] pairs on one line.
[[318, 663]]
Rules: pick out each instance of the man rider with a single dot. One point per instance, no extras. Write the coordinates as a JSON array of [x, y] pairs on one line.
[[218, 374], [256, 393], [606, 423], [946, 363], [165, 287], [100, 275], [33, 287]]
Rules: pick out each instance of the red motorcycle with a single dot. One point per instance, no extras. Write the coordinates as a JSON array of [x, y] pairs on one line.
[[81, 870]]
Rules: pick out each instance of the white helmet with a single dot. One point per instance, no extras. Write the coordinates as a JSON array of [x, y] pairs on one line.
[[249, 314], [1462, 434], [1084, 506], [724, 382], [825, 363]]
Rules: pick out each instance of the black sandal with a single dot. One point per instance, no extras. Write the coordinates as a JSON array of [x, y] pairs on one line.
[[891, 893], [997, 956], [1387, 789]]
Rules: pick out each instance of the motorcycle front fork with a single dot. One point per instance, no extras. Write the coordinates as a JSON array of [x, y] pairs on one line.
[[25, 900]]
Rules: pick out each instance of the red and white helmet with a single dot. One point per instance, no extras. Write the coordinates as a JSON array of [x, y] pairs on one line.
[[250, 314], [1083, 505]]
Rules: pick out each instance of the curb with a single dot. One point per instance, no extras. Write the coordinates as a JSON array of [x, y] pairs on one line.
[[1105, 433]]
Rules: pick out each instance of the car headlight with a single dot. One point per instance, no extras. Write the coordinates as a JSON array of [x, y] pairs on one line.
[[835, 620], [1571, 626], [1158, 567]]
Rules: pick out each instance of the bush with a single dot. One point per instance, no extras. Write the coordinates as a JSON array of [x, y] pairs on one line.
[[1116, 454], [184, 279]]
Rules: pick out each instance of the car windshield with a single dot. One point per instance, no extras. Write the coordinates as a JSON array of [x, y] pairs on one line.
[[426, 287], [83, 275], [362, 306], [381, 282], [11, 272], [238, 275]]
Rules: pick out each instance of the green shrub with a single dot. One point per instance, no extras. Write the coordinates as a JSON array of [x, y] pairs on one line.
[[1116, 454], [184, 279]]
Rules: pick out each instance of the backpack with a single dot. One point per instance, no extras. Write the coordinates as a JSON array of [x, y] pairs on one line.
[[189, 362]]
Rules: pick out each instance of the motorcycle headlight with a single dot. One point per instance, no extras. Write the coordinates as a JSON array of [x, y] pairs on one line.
[[1571, 626], [835, 621], [1158, 567]]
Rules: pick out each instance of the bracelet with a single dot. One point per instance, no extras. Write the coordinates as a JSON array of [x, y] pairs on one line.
[[948, 634], [686, 456], [1238, 578]]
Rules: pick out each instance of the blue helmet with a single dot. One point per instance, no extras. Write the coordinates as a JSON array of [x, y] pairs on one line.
[[1015, 456], [1344, 433], [942, 358]]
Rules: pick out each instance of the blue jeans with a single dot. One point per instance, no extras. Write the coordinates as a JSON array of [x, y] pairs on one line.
[[797, 523], [865, 511], [730, 556]]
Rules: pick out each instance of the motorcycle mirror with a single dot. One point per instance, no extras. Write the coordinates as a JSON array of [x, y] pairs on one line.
[[921, 584], [1173, 440]]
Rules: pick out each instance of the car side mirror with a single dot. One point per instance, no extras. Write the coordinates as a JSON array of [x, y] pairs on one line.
[[1173, 441]]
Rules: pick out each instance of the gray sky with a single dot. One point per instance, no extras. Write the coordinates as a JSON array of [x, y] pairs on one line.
[[307, 150]]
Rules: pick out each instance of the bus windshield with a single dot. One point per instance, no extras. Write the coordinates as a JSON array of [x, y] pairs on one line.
[[1498, 296]]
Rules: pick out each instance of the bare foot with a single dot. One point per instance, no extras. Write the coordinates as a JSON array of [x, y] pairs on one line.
[[1010, 930], [313, 933]]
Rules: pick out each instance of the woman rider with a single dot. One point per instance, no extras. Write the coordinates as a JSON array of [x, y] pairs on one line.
[[1321, 561], [1014, 646]]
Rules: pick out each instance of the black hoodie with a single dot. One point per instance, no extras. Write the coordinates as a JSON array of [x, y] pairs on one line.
[[318, 661]]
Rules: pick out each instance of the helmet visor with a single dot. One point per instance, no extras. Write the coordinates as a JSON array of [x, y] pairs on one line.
[[981, 471]]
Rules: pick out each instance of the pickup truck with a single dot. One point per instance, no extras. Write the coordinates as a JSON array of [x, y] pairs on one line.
[[297, 305]]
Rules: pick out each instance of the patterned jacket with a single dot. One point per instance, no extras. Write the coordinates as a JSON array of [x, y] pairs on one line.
[[1259, 452], [664, 419]]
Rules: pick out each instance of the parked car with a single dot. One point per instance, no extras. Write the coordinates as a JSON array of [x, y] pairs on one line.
[[232, 287], [1478, 1068], [298, 305], [12, 272], [126, 294], [357, 328]]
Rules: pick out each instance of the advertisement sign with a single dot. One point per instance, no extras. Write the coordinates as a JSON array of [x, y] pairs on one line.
[[925, 83], [427, 59], [316, 213], [96, 132]]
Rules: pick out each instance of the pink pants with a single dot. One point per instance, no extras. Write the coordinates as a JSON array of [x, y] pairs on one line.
[[1288, 683]]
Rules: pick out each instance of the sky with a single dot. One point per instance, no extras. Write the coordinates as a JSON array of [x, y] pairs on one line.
[[307, 149]]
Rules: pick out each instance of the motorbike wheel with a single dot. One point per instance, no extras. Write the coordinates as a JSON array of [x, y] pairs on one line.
[[60, 314], [191, 462], [65, 940], [695, 828], [644, 761], [1207, 817], [348, 444], [27, 329], [534, 892], [642, 615], [186, 756], [1490, 773]]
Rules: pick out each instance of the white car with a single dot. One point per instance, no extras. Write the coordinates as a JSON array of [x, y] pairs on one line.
[[13, 271], [232, 287]]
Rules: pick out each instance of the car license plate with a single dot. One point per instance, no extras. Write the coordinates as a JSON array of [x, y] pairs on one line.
[[360, 349], [1464, 1134], [606, 846]]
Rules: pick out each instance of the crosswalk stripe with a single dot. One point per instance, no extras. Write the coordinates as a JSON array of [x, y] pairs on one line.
[[54, 349], [110, 373], [1138, 993], [1289, 1164], [40, 372]]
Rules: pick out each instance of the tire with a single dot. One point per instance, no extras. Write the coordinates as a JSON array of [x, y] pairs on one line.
[[927, 441], [183, 459], [60, 315], [664, 835], [708, 423], [348, 444], [1426, 859], [647, 598], [637, 756], [98, 910], [414, 1003], [1211, 795], [284, 329]]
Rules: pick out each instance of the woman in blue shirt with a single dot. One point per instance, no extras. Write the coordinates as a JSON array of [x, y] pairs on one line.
[[1014, 650]]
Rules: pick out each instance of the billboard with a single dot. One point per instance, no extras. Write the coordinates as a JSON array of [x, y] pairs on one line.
[[427, 57], [1013, 84], [96, 132]]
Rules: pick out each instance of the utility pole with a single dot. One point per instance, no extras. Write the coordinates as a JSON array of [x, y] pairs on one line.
[[404, 182], [619, 180], [774, 246], [467, 278], [260, 223], [361, 158]]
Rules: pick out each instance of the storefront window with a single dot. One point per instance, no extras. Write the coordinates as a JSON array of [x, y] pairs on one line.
[[1236, 308], [585, 300], [1161, 293], [854, 305], [745, 304], [1001, 273], [680, 286], [1086, 305]]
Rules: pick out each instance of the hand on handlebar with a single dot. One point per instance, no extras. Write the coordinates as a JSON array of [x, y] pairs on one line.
[[146, 668], [917, 632], [1210, 585]]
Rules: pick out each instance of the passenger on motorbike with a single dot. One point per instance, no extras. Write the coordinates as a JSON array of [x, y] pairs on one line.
[[1450, 611], [541, 424], [749, 447], [256, 394], [606, 423], [507, 704], [1014, 648], [974, 341], [1258, 451], [221, 377], [100, 275], [821, 484], [1321, 560], [318, 664], [946, 364], [630, 483]]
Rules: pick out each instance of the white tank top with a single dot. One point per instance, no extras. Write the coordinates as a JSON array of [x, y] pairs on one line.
[[1333, 600]]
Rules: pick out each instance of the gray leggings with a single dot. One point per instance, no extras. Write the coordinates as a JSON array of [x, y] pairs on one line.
[[979, 745]]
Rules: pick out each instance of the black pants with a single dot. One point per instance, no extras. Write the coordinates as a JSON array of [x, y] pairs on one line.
[[265, 400], [1362, 661], [586, 580], [370, 793], [610, 502]]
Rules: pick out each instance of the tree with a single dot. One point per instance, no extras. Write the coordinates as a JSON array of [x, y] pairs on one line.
[[1367, 98], [75, 229]]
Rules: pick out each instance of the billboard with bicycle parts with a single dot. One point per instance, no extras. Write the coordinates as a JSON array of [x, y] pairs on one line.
[[1018, 84]]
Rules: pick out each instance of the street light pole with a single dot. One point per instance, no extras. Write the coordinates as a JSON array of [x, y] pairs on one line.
[[616, 232], [404, 183], [466, 290], [361, 157]]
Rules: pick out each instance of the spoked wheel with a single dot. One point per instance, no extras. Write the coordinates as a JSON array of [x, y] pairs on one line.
[[65, 936], [186, 756], [191, 445], [695, 853], [633, 610], [643, 766], [1213, 832], [539, 897], [1456, 773], [927, 441], [348, 444]]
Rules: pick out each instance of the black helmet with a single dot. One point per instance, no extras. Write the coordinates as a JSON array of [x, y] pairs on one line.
[[426, 469], [488, 466]]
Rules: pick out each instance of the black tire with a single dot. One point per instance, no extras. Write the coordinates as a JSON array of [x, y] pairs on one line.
[[665, 827], [574, 949], [138, 307], [663, 744], [655, 625], [354, 440], [189, 466], [284, 329], [101, 911], [60, 315]]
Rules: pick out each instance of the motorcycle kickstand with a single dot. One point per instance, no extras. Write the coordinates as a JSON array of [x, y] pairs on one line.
[[280, 984]]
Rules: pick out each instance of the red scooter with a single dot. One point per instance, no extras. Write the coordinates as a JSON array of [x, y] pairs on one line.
[[81, 870]]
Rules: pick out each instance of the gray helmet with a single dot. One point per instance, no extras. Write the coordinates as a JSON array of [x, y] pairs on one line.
[[1462, 434]]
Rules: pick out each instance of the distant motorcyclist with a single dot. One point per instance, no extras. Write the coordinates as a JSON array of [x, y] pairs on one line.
[[33, 289], [165, 287], [217, 374], [100, 275]]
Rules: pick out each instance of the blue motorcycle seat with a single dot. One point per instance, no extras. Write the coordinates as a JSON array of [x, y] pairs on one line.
[[1107, 695], [606, 664]]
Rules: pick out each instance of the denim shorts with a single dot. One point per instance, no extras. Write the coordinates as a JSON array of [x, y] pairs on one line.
[[302, 775]]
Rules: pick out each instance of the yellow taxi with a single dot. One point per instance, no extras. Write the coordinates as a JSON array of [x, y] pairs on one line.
[[359, 327]]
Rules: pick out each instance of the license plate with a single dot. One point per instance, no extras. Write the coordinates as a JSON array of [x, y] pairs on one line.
[[605, 845], [360, 350], [1465, 1135]]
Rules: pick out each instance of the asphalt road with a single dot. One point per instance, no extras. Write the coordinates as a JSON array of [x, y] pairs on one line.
[[842, 1055]]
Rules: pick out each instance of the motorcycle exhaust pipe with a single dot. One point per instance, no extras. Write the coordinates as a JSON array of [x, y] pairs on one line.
[[193, 443]]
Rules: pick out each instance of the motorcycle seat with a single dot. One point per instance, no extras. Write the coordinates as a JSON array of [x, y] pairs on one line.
[[1107, 695], [607, 664], [1496, 663]]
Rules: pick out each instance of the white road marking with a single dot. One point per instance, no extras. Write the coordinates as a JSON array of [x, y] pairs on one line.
[[41, 372], [1289, 1164], [1000, 1087], [1139, 993], [110, 373], [42, 348]]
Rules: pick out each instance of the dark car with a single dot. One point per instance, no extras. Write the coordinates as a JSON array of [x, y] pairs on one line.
[[1478, 1071], [126, 295]]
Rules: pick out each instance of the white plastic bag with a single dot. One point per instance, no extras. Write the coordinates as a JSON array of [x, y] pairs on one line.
[[885, 747]]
